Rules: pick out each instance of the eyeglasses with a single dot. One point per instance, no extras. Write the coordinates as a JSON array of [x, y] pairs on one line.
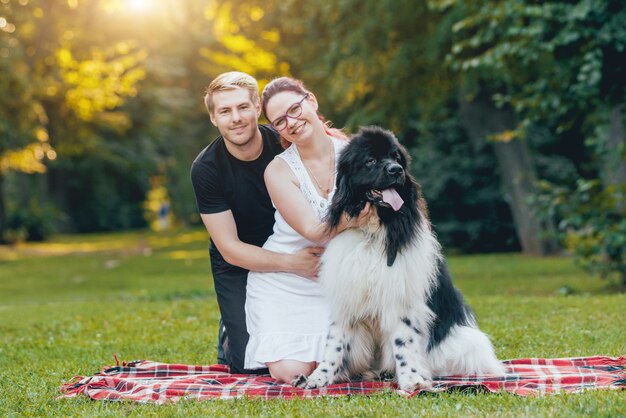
[[293, 112]]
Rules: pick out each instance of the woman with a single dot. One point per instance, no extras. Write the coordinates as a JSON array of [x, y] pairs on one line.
[[286, 315]]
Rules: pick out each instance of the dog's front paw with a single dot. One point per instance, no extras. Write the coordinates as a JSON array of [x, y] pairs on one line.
[[317, 379], [411, 382]]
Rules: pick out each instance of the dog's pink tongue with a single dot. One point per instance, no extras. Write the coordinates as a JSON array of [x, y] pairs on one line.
[[393, 198]]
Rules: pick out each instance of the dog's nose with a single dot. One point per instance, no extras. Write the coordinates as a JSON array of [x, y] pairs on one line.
[[394, 169]]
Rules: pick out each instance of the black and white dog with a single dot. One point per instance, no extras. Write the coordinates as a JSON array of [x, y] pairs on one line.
[[393, 306]]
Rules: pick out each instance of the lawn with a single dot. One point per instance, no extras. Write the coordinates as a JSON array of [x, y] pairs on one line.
[[68, 305]]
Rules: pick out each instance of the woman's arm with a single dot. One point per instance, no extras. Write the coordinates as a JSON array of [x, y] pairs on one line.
[[284, 190]]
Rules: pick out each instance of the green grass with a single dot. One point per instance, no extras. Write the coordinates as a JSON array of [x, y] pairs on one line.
[[68, 305]]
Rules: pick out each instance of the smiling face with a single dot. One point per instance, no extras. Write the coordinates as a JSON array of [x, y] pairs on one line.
[[235, 115], [294, 115]]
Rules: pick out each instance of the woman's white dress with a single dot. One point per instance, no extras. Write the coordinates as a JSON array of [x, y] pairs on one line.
[[286, 315]]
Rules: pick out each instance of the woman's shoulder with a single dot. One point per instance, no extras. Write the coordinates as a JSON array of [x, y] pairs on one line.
[[288, 155], [278, 165], [283, 167]]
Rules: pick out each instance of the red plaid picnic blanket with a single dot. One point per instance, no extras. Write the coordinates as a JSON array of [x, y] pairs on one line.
[[148, 381]]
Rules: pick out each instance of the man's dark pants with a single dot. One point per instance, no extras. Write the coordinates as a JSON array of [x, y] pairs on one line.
[[230, 287]]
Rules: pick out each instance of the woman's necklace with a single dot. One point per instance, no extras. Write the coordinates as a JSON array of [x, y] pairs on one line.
[[332, 170]]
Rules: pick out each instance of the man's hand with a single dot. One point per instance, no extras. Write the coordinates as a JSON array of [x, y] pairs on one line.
[[306, 262]]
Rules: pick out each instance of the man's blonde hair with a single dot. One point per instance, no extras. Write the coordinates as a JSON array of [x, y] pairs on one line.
[[229, 81]]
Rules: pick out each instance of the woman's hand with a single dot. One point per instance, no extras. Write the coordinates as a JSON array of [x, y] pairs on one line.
[[355, 222]]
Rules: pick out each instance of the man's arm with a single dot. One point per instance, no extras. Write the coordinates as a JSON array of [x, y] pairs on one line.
[[223, 231]]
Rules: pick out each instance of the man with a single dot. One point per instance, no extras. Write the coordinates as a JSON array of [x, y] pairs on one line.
[[234, 205]]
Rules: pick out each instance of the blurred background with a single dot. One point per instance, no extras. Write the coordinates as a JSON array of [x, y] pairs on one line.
[[513, 111]]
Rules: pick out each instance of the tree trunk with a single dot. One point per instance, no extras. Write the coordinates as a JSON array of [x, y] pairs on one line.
[[614, 164], [518, 179], [518, 176], [56, 185]]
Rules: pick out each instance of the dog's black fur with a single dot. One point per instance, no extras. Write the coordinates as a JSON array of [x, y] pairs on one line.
[[374, 159]]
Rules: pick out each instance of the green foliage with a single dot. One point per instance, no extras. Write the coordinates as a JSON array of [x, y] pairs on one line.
[[465, 204], [592, 224], [561, 66], [31, 223], [370, 62], [555, 61], [66, 69], [69, 304], [20, 115], [72, 84], [107, 194]]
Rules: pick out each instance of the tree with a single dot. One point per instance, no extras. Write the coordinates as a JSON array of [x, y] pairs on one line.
[[483, 121], [560, 63], [23, 138], [74, 77]]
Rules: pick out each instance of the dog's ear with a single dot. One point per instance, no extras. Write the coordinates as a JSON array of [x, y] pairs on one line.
[[405, 157], [344, 198]]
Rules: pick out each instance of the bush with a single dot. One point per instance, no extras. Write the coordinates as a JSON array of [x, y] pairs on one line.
[[31, 223], [591, 224], [104, 194]]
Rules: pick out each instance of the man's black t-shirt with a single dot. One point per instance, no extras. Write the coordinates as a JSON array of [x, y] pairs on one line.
[[222, 182]]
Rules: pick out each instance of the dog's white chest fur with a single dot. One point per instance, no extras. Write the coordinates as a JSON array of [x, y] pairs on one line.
[[360, 285]]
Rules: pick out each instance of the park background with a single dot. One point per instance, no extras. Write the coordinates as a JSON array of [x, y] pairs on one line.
[[512, 111]]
